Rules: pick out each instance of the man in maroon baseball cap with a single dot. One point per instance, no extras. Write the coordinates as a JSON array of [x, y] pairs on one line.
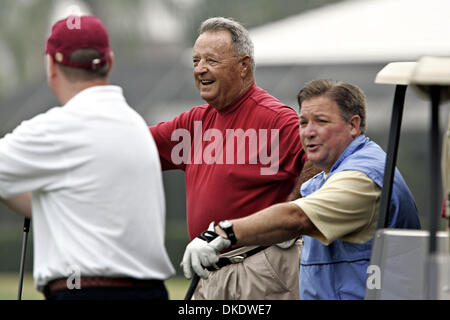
[[87, 33], [78, 47], [93, 171]]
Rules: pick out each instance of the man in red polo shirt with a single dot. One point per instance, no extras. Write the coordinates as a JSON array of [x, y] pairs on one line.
[[241, 152]]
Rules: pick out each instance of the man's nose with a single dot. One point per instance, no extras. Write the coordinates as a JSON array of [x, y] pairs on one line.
[[308, 130], [200, 68]]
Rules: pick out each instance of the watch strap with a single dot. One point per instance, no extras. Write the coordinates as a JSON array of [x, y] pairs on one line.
[[230, 233]]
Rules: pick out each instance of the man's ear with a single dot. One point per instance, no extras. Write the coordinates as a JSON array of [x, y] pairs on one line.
[[245, 66], [355, 125], [111, 62], [51, 67]]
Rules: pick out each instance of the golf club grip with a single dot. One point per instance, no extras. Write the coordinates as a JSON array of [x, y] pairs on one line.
[[26, 225], [192, 287], [26, 228]]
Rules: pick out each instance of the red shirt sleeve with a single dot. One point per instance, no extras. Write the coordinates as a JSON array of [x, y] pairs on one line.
[[293, 156], [167, 135]]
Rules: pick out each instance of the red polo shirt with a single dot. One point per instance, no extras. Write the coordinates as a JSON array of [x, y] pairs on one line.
[[236, 161]]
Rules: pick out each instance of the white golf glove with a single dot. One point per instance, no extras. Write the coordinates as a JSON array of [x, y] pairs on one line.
[[286, 244], [200, 254]]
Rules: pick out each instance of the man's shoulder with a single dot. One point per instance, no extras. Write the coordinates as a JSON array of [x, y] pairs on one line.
[[266, 102], [369, 159], [197, 112], [49, 117], [370, 151], [200, 108], [39, 129]]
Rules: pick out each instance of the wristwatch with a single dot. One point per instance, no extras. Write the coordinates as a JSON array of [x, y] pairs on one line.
[[227, 227]]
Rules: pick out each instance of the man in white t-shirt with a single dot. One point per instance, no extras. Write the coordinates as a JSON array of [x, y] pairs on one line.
[[89, 175]]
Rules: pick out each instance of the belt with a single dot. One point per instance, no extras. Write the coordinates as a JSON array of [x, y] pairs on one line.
[[89, 282], [225, 261]]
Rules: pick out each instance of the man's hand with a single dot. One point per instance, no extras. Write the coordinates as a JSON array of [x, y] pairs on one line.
[[200, 253], [286, 244], [21, 204]]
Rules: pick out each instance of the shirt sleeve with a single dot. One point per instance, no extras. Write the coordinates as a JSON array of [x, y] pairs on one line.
[[345, 208], [292, 155], [167, 136], [30, 159]]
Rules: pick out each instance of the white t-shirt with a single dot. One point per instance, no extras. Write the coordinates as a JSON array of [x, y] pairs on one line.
[[97, 194]]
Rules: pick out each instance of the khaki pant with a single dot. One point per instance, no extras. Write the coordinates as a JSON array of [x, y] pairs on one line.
[[271, 274]]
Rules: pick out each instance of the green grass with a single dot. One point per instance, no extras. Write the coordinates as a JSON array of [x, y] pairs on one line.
[[9, 282]]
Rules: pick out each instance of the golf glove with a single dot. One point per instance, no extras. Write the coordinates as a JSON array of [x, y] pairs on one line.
[[286, 244], [203, 252]]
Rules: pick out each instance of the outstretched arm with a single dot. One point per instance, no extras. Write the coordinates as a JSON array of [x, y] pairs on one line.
[[277, 223]]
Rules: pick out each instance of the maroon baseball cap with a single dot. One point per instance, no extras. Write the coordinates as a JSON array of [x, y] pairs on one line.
[[78, 32]]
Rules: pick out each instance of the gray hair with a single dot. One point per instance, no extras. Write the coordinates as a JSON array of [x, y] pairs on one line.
[[239, 35]]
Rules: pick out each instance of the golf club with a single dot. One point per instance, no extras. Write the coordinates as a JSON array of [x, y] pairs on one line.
[[192, 287], [26, 228]]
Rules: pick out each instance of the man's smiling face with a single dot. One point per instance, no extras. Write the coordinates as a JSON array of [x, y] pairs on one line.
[[217, 69]]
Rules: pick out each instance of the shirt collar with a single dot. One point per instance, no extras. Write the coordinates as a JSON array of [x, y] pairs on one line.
[[238, 103], [351, 148], [94, 91]]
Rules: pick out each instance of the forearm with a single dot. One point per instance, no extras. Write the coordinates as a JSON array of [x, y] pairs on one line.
[[21, 204], [272, 225]]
